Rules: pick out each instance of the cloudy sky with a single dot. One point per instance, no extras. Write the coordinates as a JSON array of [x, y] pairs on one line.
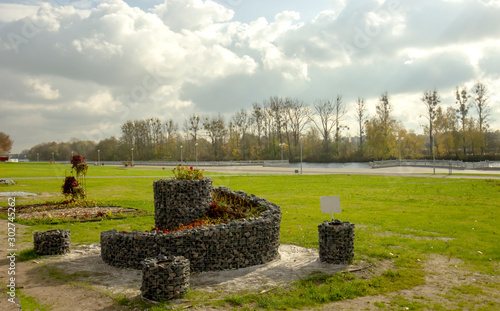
[[82, 68]]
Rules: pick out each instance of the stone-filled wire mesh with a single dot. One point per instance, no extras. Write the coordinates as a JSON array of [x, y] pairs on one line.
[[238, 244], [181, 201], [165, 277], [53, 242], [336, 242]]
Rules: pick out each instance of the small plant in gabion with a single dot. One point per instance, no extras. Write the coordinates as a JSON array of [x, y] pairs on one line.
[[79, 167], [72, 188], [190, 173]]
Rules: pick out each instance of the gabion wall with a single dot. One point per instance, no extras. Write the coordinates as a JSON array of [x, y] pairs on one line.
[[52, 242], [165, 277], [336, 242], [235, 245], [181, 201]]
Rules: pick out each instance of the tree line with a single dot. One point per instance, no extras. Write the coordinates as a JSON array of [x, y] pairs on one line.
[[286, 127]]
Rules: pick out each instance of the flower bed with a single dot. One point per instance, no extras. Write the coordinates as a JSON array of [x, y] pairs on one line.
[[237, 244]]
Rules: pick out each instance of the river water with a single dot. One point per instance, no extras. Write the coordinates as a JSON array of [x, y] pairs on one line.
[[352, 165], [332, 165]]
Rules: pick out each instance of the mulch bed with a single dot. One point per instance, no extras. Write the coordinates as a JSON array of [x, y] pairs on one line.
[[63, 212]]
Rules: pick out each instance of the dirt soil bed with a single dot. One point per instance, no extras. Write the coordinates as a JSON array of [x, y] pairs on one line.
[[53, 210]]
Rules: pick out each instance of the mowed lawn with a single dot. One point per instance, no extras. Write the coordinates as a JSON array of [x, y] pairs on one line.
[[401, 218]]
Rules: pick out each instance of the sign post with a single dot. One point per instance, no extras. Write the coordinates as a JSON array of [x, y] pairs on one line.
[[330, 205]]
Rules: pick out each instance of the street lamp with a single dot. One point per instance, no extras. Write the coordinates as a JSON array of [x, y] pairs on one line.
[[399, 139], [132, 156], [38, 157], [300, 156], [196, 151], [53, 161], [282, 144], [181, 153], [98, 157], [433, 157]]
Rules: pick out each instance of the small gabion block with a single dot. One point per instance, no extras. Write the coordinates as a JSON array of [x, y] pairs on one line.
[[165, 277], [53, 242], [336, 242]]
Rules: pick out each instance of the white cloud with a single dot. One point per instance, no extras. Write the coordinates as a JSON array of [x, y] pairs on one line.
[[11, 11], [192, 15], [41, 90]]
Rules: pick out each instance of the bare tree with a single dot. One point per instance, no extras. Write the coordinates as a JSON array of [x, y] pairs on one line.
[[194, 126], [462, 99], [170, 128], [325, 113], [240, 122], [361, 117], [480, 99], [340, 112], [216, 130], [431, 100], [298, 117], [257, 119]]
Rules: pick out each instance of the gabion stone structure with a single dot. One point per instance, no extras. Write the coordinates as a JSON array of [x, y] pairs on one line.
[[181, 201], [238, 244], [336, 242], [54, 242], [165, 277]]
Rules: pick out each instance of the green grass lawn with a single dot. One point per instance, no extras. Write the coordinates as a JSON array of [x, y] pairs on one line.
[[403, 218]]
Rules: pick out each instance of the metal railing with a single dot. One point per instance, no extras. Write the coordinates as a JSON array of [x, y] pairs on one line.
[[185, 163], [460, 165]]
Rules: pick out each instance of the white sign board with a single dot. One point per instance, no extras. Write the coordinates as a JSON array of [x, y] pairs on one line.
[[330, 205]]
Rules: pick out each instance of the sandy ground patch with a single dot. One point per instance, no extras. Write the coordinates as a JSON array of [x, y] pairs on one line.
[[447, 285], [295, 262]]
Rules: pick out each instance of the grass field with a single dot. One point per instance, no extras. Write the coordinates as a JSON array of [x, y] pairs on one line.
[[403, 219]]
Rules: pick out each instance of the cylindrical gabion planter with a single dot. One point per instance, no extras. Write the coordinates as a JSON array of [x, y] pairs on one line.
[[181, 201], [54, 242], [165, 278], [336, 242]]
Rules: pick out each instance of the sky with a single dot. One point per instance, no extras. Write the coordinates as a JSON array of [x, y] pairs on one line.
[[80, 69]]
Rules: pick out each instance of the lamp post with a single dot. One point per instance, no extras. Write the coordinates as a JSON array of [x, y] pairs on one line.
[[399, 139], [132, 156], [282, 144], [98, 157], [301, 157], [196, 151], [433, 157], [38, 157], [181, 153], [53, 161]]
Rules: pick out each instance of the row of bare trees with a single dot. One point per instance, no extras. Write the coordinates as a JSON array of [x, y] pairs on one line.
[[279, 127]]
